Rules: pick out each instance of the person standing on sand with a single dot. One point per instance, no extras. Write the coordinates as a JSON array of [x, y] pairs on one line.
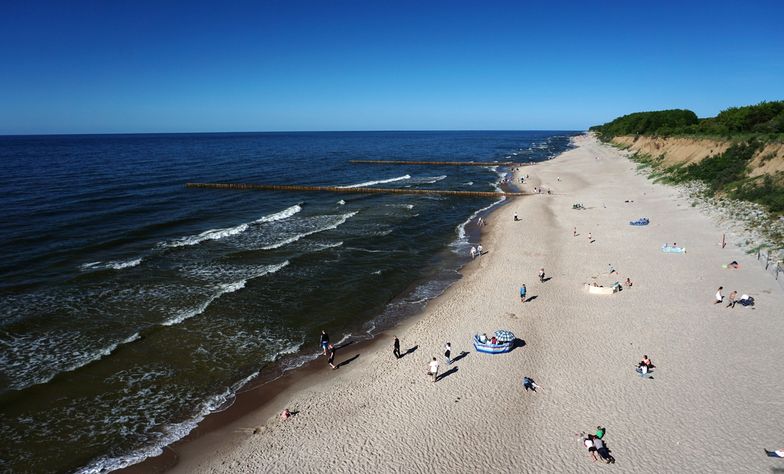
[[719, 296], [541, 275], [473, 253], [324, 341], [433, 371], [731, 299], [448, 353], [479, 250], [590, 237], [515, 217], [331, 359], [574, 232], [396, 350], [522, 293]]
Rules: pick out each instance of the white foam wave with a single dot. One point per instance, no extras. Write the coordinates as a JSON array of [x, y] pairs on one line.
[[284, 214], [212, 234], [342, 202], [222, 289], [217, 234], [342, 219], [381, 181], [171, 433], [114, 265], [82, 360]]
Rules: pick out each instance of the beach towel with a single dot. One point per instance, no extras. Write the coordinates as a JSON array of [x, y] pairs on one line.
[[668, 249], [640, 221]]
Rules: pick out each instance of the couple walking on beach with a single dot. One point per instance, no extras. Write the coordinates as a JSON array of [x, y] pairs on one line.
[[433, 365]]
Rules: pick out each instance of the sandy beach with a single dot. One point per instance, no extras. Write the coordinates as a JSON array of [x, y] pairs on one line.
[[713, 402]]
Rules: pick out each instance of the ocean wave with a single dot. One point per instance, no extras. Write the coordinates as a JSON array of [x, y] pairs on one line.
[[407, 206], [222, 289], [428, 179], [113, 265], [19, 344], [381, 181], [171, 433], [217, 234], [284, 214], [341, 219]]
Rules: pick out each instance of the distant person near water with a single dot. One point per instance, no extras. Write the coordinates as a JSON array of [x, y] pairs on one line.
[[479, 250], [396, 350], [473, 253], [324, 341], [331, 359], [522, 293]]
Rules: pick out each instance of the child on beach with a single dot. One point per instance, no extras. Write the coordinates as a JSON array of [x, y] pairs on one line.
[[522, 293], [324, 341], [541, 275]]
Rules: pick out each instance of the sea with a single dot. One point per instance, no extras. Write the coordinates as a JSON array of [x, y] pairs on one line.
[[131, 307]]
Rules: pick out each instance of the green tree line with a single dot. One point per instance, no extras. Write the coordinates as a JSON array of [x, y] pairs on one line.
[[763, 118]]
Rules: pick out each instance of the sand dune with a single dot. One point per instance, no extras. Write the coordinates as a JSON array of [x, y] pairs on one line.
[[712, 406]]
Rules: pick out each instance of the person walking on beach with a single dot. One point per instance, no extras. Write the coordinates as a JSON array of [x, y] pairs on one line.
[[324, 341], [611, 269], [473, 253], [541, 275], [731, 299], [515, 217], [448, 353], [529, 384], [433, 369], [590, 237], [479, 250], [719, 296], [522, 293], [331, 359], [574, 232], [396, 350]]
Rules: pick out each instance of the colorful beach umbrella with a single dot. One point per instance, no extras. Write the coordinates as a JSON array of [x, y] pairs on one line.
[[504, 336]]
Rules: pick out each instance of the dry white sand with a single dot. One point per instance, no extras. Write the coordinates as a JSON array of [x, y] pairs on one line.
[[714, 402]]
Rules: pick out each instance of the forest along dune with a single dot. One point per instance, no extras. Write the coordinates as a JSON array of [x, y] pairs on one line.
[[710, 405]]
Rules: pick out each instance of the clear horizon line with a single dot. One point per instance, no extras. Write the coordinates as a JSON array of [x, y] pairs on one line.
[[8, 135]]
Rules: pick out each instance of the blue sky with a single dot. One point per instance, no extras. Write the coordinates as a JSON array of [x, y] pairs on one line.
[[135, 66]]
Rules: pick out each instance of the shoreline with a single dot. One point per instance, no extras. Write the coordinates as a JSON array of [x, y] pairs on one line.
[[710, 393], [220, 426]]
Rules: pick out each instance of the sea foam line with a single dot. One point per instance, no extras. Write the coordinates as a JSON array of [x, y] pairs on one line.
[[381, 181], [343, 219], [222, 290], [113, 265], [89, 359], [217, 234]]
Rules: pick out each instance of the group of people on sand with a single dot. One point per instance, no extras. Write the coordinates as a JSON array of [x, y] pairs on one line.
[[596, 445], [732, 299], [645, 366]]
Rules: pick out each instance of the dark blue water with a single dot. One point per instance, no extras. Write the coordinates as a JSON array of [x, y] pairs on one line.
[[130, 306]]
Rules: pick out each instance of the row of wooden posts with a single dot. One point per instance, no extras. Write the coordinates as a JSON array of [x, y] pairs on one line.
[[341, 189]]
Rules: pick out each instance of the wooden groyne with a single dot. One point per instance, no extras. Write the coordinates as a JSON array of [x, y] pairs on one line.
[[436, 163], [338, 189]]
